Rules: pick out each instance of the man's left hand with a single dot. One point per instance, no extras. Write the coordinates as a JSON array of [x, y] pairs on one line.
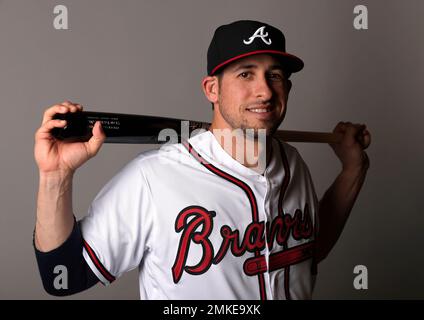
[[350, 150]]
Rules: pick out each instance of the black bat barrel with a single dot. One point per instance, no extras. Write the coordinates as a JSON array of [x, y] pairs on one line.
[[121, 128]]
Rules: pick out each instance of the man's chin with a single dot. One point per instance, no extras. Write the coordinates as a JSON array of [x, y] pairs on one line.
[[259, 132], [270, 127]]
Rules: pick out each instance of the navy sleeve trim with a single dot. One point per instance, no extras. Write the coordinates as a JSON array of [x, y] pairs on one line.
[[64, 270]]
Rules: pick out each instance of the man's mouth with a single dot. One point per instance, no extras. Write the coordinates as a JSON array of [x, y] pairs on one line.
[[261, 110]]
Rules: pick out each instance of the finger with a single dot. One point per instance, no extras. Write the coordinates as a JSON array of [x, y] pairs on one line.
[[50, 112], [97, 140], [340, 127], [62, 108], [73, 107], [366, 139], [351, 131], [354, 128], [68, 103], [363, 136], [45, 130], [71, 104]]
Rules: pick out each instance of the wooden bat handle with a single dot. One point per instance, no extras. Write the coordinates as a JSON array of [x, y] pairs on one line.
[[290, 135], [308, 136]]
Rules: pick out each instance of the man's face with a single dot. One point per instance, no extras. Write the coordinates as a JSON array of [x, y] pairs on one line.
[[253, 93]]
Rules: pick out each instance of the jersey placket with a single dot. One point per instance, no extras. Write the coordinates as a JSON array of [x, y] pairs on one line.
[[281, 198], [267, 217], [275, 190]]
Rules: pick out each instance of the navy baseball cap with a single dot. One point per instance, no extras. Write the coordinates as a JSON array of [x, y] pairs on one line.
[[244, 38]]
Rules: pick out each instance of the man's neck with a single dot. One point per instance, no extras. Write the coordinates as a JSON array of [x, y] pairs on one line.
[[253, 152]]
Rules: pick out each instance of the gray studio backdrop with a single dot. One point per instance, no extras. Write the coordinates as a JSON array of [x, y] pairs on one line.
[[148, 57]]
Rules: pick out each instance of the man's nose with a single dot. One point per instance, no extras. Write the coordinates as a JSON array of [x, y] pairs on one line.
[[263, 89]]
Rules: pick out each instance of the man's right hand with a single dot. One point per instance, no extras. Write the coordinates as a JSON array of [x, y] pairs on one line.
[[56, 156]]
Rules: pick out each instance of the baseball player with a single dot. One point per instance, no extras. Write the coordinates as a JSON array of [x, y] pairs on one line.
[[198, 221]]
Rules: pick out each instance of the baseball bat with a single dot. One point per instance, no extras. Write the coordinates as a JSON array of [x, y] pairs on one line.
[[143, 129]]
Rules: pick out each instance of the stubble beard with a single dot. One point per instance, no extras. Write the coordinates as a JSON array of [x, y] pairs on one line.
[[244, 126]]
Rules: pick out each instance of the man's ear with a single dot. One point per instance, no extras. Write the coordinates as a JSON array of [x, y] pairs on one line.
[[211, 88], [289, 86]]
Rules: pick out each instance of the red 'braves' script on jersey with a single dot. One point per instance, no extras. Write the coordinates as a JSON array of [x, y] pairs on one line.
[[196, 225]]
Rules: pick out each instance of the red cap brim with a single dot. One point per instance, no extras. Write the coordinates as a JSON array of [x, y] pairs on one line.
[[293, 63]]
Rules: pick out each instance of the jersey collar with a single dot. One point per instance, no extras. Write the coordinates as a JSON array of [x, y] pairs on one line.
[[207, 145]]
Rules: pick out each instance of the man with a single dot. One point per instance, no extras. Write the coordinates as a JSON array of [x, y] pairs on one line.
[[198, 220]]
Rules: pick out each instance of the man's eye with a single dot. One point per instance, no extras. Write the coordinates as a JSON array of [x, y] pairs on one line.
[[275, 76], [244, 74]]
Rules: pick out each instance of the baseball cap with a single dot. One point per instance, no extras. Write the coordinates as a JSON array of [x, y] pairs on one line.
[[244, 38]]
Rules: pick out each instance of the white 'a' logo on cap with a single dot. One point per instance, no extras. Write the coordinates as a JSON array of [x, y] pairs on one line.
[[260, 33]]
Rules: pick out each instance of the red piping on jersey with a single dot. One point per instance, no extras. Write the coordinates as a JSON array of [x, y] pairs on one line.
[[283, 190], [245, 188], [98, 264]]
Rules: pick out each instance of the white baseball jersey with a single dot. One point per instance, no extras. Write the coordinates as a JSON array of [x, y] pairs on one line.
[[200, 225]]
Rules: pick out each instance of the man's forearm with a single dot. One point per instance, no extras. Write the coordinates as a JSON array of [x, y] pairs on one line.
[[55, 218], [335, 207]]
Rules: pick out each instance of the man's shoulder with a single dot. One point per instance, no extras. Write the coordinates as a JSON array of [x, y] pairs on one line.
[[166, 160], [172, 152], [290, 151], [294, 157], [153, 163], [161, 158]]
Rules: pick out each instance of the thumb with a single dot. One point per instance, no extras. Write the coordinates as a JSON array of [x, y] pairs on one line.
[[97, 140]]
